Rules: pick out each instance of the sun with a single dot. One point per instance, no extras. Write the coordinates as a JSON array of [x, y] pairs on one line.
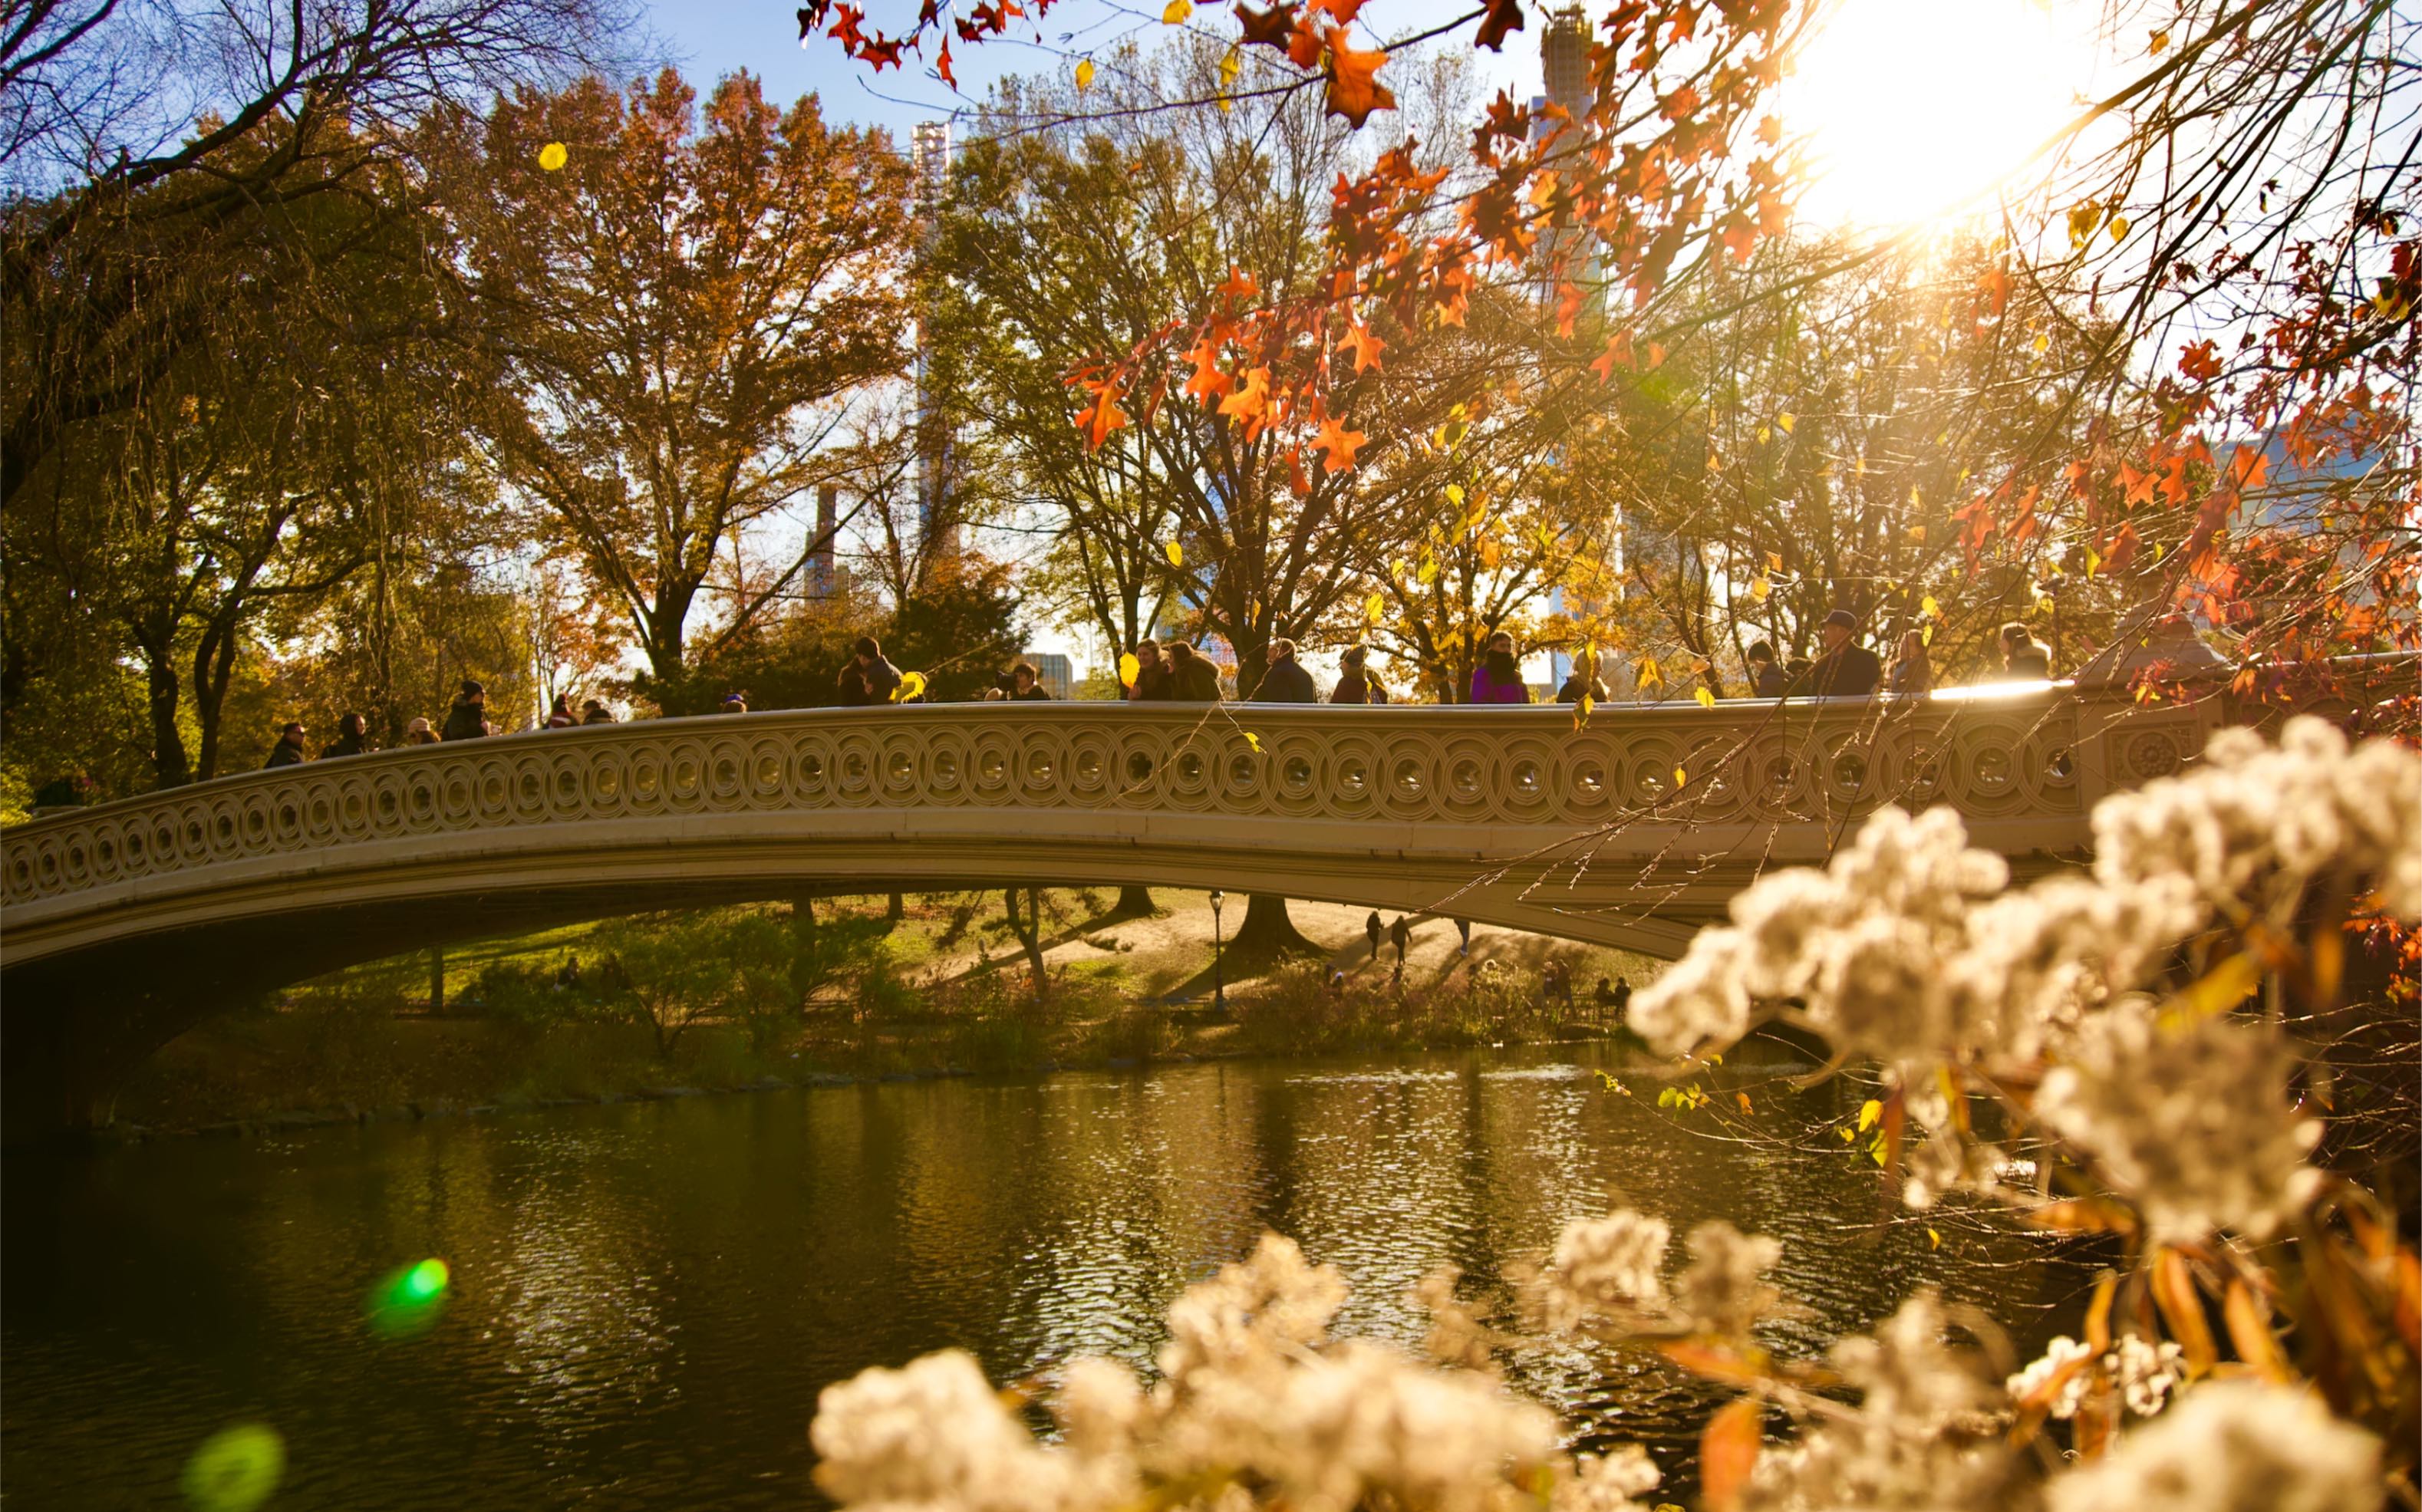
[[1915, 109]]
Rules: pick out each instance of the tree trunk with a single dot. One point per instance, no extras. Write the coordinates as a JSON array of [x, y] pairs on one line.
[[436, 980], [1030, 934], [1134, 903], [896, 911], [1267, 929], [167, 741], [806, 970]]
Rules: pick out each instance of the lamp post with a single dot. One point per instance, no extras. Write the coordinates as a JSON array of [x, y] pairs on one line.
[[1218, 990]]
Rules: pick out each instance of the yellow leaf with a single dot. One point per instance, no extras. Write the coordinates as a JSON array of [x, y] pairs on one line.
[[2118, 227], [1680, 781], [1785, 420], [1930, 608], [1742, 1099], [2043, 343], [1178, 12], [1175, 553], [1429, 570], [2159, 39], [1706, 700], [1455, 495], [1759, 588], [1774, 560], [1765, 433], [1648, 674], [1230, 66], [1253, 740], [1933, 1240], [1373, 609], [1587, 704], [1085, 74], [553, 156], [2219, 990], [1868, 1112], [1848, 1134], [911, 685], [1128, 668]]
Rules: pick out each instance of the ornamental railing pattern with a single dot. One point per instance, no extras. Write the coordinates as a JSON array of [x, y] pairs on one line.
[[2041, 756]]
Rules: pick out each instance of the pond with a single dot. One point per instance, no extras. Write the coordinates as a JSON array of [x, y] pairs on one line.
[[646, 1297]]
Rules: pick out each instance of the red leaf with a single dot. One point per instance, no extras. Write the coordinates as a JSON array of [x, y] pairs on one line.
[[1353, 91], [1366, 347], [1273, 27], [1344, 10], [1502, 16], [1240, 284], [1728, 1452], [942, 66], [1101, 416]]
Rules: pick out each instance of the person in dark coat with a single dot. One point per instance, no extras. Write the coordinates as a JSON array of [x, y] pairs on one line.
[[560, 717], [593, 712], [469, 719], [74, 790], [1374, 930], [1026, 686], [1354, 684], [867, 677], [2023, 654], [1766, 680], [1151, 685], [1848, 669], [1285, 682], [1584, 681], [288, 751], [1193, 678], [1400, 934], [352, 739]]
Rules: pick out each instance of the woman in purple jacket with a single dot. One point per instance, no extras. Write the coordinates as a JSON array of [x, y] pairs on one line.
[[1497, 679]]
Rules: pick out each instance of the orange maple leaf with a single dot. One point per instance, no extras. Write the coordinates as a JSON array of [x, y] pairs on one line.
[[1353, 90], [1240, 284], [1247, 402], [1101, 416], [1208, 382], [1366, 346], [1340, 443]]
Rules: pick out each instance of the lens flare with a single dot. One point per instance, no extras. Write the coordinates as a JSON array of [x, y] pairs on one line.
[[236, 1468], [410, 1301]]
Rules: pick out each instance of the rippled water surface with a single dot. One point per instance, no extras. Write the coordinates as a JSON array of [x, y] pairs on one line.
[[647, 1296]]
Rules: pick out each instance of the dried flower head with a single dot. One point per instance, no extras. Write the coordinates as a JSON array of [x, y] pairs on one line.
[[2232, 1446]]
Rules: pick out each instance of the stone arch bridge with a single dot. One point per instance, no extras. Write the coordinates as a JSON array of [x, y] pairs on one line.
[[121, 924]]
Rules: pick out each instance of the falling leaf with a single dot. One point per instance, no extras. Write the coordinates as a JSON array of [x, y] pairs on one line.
[[1786, 421], [1680, 781], [1175, 553], [1933, 1240], [1085, 74], [1129, 669], [1742, 1099], [1178, 12], [553, 155], [912, 684], [1253, 740], [1707, 698]]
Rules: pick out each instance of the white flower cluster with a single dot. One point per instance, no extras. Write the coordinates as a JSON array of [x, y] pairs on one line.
[[2232, 1446], [2193, 1121], [1610, 1269], [1923, 1437], [1257, 1407], [1908, 948], [2144, 1372]]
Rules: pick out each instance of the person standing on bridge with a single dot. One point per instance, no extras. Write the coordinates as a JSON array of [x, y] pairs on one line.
[[288, 751], [2024, 655], [1497, 679], [1584, 683], [1285, 682], [560, 717], [1151, 685], [352, 739], [1193, 678], [1355, 684], [1766, 680], [469, 719], [1848, 669], [867, 677], [1911, 673], [1026, 685], [593, 712]]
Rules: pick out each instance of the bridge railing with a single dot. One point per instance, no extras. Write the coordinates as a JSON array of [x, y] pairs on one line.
[[2028, 761]]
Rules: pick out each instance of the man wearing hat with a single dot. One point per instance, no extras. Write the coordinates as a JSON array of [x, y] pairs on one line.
[[1848, 669], [469, 719]]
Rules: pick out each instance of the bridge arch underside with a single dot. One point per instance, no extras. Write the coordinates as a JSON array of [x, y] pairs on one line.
[[90, 990]]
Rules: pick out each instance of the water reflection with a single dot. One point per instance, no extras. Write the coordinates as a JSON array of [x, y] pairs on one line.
[[645, 1298]]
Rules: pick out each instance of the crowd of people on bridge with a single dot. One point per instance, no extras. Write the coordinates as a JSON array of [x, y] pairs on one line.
[[1176, 671]]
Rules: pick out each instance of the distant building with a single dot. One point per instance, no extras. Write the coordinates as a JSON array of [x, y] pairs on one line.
[[1053, 671]]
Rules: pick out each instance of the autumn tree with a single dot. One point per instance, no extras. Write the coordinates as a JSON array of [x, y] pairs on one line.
[[677, 305]]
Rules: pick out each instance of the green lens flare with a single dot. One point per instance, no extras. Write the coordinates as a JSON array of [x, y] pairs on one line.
[[236, 1468], [410, 1301]]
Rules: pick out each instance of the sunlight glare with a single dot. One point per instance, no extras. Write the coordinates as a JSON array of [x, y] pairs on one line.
[[1914, 108]]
